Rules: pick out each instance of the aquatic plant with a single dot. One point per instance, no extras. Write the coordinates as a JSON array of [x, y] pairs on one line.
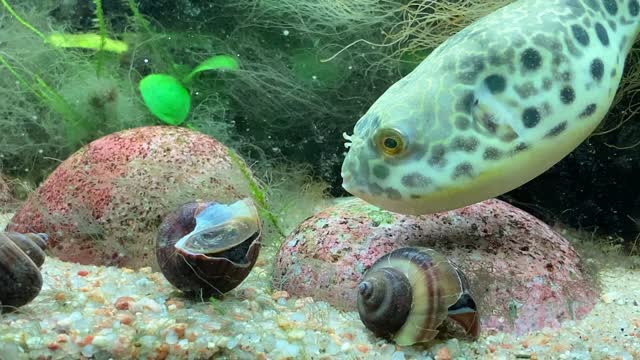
[[168, 99], [87, 41], [257, 192], [46, 116], [425, 24], [316, 18]]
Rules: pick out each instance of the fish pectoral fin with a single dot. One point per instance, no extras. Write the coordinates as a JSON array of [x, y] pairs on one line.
[[494, 120]]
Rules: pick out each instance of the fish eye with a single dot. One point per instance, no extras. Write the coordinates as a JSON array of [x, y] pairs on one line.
[[390, 141]]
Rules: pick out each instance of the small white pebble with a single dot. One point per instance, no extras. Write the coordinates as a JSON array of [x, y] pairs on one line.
[[171, 337]]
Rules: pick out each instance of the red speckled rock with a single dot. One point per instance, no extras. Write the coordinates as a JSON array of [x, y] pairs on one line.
[[523, 275], [104, 203]]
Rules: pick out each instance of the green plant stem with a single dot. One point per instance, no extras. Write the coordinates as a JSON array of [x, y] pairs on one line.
[[139, 18], [23, 21], [257, 193], [18, 77], [159, 54], [103, 36]]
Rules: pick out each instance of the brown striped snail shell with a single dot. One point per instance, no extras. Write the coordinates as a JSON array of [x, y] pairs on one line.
[[408, 293], [209, 248], [21, 256]]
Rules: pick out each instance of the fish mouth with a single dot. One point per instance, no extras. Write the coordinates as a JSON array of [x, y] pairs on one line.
[[347, 183], [347, 137]]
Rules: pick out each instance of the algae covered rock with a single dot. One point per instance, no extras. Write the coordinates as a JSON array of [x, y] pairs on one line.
[[523, 275], [104, 203]]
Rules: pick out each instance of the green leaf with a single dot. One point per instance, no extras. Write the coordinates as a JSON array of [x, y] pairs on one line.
[[166, 98], [218, 62]]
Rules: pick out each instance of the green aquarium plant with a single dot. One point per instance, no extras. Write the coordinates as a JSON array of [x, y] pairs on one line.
[[165, 98], [168, 99], [87, 41]]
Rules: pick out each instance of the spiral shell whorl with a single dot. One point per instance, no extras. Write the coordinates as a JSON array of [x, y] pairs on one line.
[[384, 301], [21, 256]]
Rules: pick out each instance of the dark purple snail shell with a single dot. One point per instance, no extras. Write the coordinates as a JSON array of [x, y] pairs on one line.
[[21, 256], [207, 274]]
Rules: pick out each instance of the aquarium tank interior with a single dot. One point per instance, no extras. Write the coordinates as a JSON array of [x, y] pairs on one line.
[[319, 179]]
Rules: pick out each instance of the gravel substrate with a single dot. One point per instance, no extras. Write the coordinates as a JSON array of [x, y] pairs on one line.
[[104, 312]]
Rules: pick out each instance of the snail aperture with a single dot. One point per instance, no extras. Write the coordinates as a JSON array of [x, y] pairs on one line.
[[21, 256], [408, 293], [209, 248]]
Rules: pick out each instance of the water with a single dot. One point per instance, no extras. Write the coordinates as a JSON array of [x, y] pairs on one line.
[[115, 114]]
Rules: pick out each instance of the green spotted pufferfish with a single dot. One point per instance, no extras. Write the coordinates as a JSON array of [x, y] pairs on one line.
[[492, 107]]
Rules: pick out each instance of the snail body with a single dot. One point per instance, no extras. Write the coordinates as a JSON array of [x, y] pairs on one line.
[[21, 256], [209, 248], [408, 293]]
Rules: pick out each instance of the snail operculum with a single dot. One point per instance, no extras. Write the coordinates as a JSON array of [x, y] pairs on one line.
[[421, 289], [220, 227]]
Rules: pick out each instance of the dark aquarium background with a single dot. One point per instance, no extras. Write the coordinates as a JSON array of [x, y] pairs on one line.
[[308, 70]]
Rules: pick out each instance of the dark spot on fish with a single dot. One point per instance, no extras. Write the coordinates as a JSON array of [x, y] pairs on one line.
[[567, 95], [492, 153], [462, 122], [602, 34], [556, 130], [380, 171], [468, 144], [415, 179], [526, 90], [580, 34], [437, 156], [588, 111], [530, 117], [611, 6], [531, 59], [597, 69], [634, 7], [520, 147], [495, 83], [464, 169]]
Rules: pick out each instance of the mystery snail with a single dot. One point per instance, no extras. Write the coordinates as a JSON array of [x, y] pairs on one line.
[[408, 293], [21, 256], [209, 248]]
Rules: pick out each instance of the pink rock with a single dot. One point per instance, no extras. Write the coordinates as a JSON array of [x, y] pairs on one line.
[[103, 204], [523, 275]]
